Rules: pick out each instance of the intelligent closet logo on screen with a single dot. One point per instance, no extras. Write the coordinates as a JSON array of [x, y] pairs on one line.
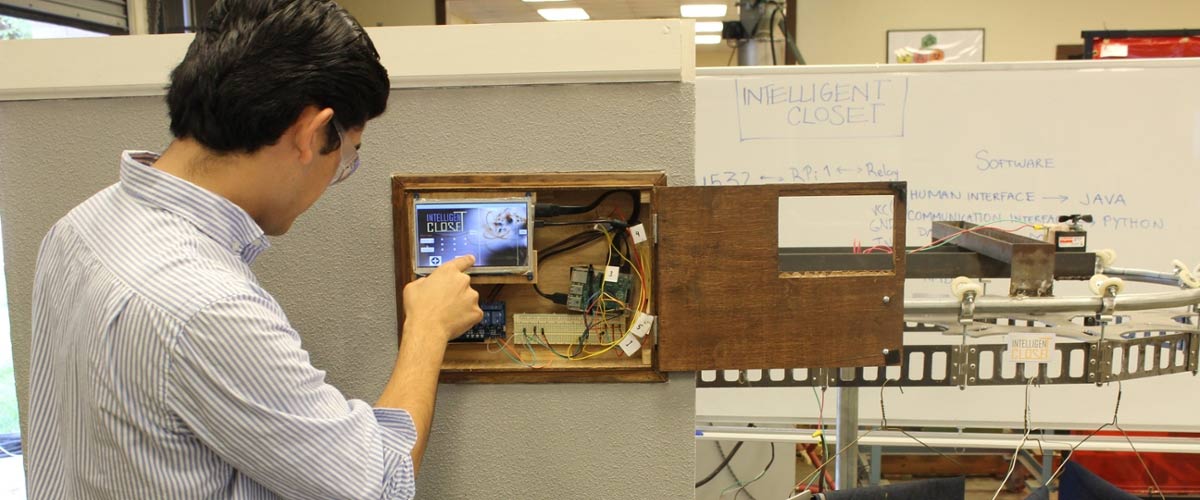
[[449, 221], [495, 233]]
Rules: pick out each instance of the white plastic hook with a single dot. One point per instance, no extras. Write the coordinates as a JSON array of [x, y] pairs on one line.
[[1186, 278], [961, 285]]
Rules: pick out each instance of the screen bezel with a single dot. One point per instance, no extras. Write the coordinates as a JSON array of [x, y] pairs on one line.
[[526, 270]]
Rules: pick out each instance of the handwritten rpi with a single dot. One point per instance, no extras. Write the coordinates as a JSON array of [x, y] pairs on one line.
[[800, 108]]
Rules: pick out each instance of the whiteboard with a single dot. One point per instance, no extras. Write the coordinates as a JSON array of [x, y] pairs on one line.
[[1015, 142]]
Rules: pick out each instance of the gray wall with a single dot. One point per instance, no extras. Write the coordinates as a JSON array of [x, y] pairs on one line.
[[333, 272]]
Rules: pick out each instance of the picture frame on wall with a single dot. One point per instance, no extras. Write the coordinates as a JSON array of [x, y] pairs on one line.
[[935, 46]]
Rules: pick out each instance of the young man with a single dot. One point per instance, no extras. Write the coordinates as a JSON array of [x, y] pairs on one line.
[[160, 367]]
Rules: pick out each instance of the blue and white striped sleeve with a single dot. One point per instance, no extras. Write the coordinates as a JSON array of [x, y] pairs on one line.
[[241, 383]]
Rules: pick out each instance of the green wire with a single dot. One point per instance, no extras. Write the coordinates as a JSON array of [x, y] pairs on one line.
[[821, 428], [547, 346], [514, 360], [738, 484], [532, 353]]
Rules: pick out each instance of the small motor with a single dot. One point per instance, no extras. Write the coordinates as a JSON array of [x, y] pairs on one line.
[[1069, 235]]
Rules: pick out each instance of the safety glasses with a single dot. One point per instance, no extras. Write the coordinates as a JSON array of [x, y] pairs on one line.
[[349, 162]]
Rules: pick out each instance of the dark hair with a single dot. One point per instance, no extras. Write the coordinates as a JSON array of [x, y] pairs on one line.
[[255, 65]]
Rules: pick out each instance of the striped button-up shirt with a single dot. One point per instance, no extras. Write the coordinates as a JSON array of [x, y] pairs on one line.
[[161, 369]]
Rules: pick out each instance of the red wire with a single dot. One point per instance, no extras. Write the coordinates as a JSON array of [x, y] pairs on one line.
[[971, 230], [821, 413]]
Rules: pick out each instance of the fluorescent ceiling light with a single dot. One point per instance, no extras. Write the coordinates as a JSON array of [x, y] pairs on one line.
[[707, 39], [703, 10], [709, 27], [564, 14]]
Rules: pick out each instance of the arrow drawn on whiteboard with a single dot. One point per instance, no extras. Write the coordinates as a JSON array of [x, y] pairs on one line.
[[769, 178], [1062, 198], [843, 170]]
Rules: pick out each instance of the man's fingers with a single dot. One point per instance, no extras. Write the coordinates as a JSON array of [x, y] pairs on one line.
[[461, 264]]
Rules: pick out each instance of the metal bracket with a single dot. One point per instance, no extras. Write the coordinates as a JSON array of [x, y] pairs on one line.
[[940, 366], [1098, 366], [654, 226], [966, 312], [1032, 261], [1108, 305]]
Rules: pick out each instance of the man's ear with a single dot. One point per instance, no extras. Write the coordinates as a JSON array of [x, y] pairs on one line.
[[310, 137]]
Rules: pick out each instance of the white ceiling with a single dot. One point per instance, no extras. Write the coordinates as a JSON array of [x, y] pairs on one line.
[[516, 11]]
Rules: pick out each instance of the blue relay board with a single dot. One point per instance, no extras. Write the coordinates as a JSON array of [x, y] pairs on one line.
[[492, 326]]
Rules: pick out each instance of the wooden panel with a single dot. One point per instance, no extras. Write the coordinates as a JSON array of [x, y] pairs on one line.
[[472, 362], [605, 376], [723, 304], [924, 465], [507, 181]]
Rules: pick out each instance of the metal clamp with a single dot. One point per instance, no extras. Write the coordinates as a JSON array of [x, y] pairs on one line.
[[966, 311], [1108, 305]]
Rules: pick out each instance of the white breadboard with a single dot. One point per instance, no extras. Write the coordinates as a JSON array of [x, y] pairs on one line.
[[566, 328]]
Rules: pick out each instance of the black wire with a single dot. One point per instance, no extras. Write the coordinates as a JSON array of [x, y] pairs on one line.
[[621, 240], [721, 451], [611, 222], [564, 245], [543, 294], [548, 210], [724, 463], [578, 240], [771, 29], [791, 44], [591, 236], [587, 288], [583, 238], [764, 473], [547, 341]]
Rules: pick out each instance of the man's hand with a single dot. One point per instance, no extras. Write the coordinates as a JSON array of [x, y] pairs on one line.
[[437, 308], [443, 302]]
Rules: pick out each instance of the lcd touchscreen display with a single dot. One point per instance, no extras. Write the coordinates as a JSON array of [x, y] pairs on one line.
[[496, 232]]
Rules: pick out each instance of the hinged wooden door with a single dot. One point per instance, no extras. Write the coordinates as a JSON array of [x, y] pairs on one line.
[[723, 302]]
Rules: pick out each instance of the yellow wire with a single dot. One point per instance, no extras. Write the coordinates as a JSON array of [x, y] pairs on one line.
[[643, 289], [602, 351], [643, 302]]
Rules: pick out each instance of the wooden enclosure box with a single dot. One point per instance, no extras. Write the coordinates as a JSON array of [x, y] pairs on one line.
[[715, 283]]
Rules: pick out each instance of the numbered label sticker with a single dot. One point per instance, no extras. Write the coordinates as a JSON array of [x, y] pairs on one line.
[[611, 273], [630, 345], [642, 325], [639, 233]]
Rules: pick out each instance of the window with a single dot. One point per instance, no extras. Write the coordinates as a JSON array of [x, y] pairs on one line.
[[15, 28], [104, 16]]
